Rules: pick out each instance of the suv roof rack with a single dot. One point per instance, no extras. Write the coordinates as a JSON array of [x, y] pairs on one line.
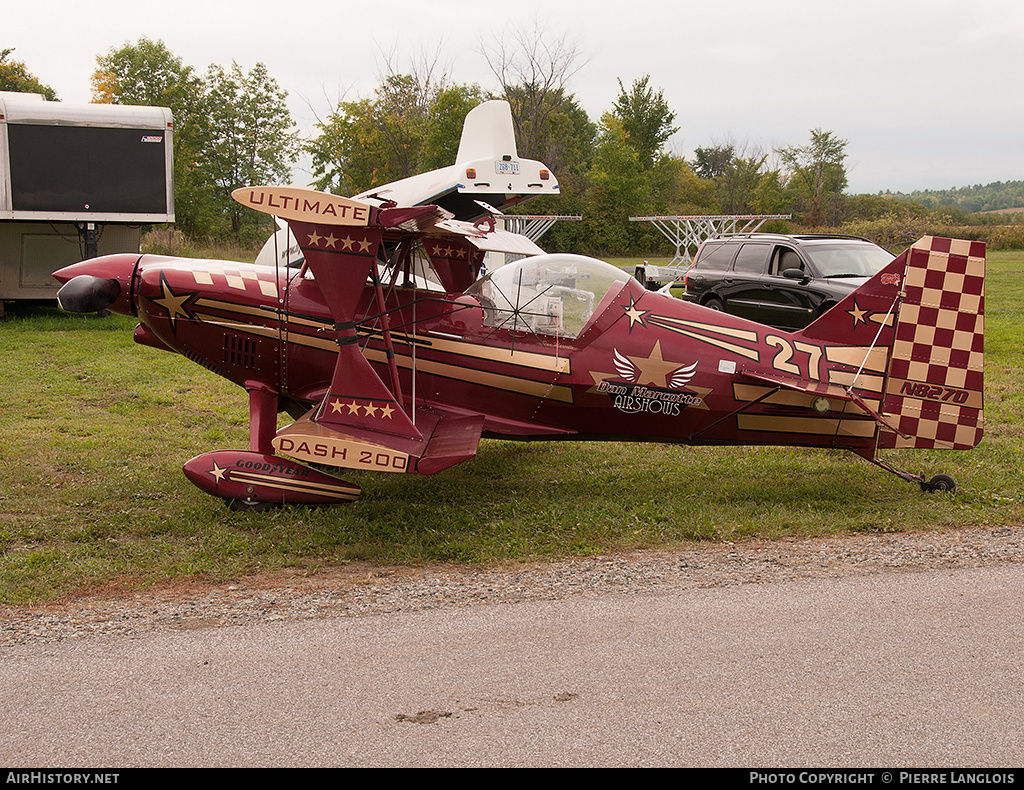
[[797, 236]]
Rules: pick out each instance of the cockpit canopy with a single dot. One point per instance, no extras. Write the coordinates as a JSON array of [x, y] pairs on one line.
[[546, 294]]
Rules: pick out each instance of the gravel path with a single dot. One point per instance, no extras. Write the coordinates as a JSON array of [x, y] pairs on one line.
[[363, 589]]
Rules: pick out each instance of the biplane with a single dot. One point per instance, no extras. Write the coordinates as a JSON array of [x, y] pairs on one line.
[[394, 353]]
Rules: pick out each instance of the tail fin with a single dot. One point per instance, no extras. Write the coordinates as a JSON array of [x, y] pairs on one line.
[[911, 340], [935, 384], [488, 133]]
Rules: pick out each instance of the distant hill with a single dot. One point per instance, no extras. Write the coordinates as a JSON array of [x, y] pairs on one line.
[[999, 196]]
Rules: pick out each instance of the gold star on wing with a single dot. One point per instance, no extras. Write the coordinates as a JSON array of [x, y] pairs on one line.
[[635, 316], [314, 239], [330, 240], [386, 411]]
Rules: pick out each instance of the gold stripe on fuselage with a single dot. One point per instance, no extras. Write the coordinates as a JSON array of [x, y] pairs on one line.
[[509, 383], [746, 393], [718, 336], [809, 426]]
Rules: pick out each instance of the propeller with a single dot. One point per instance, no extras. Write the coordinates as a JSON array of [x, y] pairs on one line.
[[88, 294]]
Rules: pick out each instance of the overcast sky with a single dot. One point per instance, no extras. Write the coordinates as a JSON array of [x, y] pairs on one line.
[[929, 94]]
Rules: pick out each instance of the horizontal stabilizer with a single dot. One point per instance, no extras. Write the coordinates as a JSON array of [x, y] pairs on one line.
[[823, 390], [801, 385], [455, 439]]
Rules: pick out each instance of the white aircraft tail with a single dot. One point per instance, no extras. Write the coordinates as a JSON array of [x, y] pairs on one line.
[[488, 172], [488, 133]]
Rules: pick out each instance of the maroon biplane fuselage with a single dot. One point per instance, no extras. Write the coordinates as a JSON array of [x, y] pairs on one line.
[[393, 355]]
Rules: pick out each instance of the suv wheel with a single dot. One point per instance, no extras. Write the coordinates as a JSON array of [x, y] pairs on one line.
[[714, 304]]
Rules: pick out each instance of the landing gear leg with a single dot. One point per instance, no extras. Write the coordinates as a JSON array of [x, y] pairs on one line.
[[937, 483]]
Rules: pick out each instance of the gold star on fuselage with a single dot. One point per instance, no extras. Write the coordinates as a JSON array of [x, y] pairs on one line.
[[654, 369], [173, 303], [635, 316], [857, 314]]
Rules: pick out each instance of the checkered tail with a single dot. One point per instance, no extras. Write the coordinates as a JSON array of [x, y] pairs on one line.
[[934, 388]]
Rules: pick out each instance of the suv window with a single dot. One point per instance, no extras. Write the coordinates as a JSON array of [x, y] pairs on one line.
[[750, 259], [849, 260], [785, 258], [715, 256]]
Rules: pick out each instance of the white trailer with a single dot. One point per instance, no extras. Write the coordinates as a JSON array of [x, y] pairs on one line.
[[76, 181]]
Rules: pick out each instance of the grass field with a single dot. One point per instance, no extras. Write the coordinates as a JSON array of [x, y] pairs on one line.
[[95, 430]]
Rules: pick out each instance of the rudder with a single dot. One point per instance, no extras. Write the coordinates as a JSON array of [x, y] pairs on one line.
[[934, 391]]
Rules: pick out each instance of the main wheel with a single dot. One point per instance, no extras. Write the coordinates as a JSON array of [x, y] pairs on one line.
[[246, 506]]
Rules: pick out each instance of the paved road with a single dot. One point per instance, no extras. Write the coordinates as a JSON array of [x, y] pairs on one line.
[[892, 670]]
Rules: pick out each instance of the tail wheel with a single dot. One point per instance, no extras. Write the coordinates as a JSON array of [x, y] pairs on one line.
[[939, 483]]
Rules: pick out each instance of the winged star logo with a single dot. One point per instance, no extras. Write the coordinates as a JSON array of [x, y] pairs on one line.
[[654, 370]]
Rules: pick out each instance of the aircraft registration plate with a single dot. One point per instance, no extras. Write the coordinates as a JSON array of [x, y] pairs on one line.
[[504, 167]]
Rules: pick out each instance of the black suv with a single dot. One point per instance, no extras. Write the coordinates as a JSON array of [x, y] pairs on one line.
[[782, 281]]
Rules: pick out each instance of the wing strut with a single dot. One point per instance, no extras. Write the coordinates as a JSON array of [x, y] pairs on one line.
[[389, 348]]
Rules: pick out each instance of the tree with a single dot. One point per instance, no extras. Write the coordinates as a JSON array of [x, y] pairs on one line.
[[565, 139], [533, 70], [769, 195], [145, 73], [619, 188], [646, 120], [711, 162], [252, 137], [14, 76], [448, 110], [231, 129], [738, 182], [411, 124], [817, 176]]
